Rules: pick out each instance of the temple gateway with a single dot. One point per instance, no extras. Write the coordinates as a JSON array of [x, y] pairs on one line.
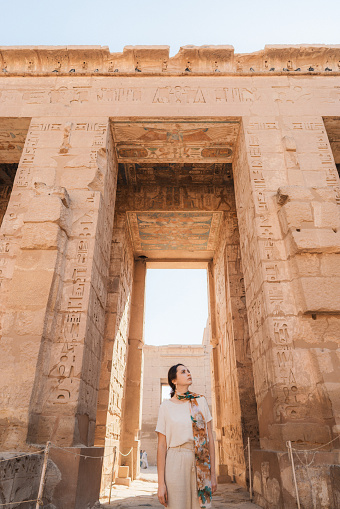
[[113, 163]]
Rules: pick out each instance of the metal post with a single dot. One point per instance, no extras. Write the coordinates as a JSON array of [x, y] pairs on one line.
[[250, 477], [42, 479], [113, 469], [290, 454], [131, 459]]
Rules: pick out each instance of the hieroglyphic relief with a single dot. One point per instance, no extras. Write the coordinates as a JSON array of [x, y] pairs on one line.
[[234, 94], [179, 94], [26, 165], [119, 95], [317, 135], [66, 370], [113, 373], [5, 255], [178, 175], [75, 354], [172, 197], [267, 295], [230, 333]]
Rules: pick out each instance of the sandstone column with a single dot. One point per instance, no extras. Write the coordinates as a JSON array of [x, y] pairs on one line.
[[132, 417], [285, 185], [113, 365], [56, 236], [237, 418]]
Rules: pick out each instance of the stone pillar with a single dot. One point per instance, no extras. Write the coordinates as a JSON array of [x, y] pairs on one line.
[[285, 181], [215, 370], [236, 415], [113, 365], [56, 238], [214, 356], [132, 417]]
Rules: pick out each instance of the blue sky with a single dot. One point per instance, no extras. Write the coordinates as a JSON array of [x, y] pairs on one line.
[[247, 25], [176, 306]]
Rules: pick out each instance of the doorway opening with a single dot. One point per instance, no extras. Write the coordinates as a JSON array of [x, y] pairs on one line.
[[176, 331], [175, 209]]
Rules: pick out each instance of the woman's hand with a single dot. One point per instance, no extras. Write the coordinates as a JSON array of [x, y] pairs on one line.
[[213, 483], [163, 495]]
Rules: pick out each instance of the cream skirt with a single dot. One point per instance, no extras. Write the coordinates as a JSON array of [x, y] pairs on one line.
[[180, 477]]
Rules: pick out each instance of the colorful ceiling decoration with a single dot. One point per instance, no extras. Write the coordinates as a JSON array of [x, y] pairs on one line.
[[174, 174], [175, 141], [13, 132], [170, 234]]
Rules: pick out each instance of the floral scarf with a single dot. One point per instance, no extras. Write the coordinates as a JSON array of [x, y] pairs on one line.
[[202, 455]]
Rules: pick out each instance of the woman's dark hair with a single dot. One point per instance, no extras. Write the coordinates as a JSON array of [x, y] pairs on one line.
[[172, 374]]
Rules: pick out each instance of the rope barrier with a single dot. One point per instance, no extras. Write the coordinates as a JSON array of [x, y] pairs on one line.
[[305, 464], [127, 453], [66, 450], [22, 456], [315, 448], [17, 503], [81, 455]]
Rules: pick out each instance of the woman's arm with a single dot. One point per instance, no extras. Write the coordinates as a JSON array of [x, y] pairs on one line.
[[161, 454], [212, 457]]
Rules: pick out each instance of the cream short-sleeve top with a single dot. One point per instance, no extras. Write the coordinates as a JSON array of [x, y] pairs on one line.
[[174, 421]]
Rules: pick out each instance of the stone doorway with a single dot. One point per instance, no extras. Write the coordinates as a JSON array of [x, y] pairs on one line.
[[175, 205]]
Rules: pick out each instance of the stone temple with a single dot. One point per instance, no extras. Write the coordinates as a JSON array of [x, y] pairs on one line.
[[113, 163]]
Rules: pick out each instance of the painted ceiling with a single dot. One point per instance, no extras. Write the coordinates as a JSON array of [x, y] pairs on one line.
[[13, 133], [332, 125], [174, 174], [178, 154], [7, 174], [175, 141], [174, 234]]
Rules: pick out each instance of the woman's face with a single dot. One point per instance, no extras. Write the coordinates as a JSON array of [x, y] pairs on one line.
[[183, 376]]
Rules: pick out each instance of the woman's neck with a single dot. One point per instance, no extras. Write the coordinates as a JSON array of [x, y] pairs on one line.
[[181, 390]]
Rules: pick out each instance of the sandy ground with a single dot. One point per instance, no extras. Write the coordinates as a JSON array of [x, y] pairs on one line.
[[143, 493]]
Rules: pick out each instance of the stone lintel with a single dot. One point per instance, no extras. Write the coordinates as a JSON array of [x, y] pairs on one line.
[[94, 60]]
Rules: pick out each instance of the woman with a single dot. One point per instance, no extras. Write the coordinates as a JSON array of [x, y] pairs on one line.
[[185, 446]]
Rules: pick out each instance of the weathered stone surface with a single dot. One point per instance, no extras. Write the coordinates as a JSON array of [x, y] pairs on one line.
[[20, 479]]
